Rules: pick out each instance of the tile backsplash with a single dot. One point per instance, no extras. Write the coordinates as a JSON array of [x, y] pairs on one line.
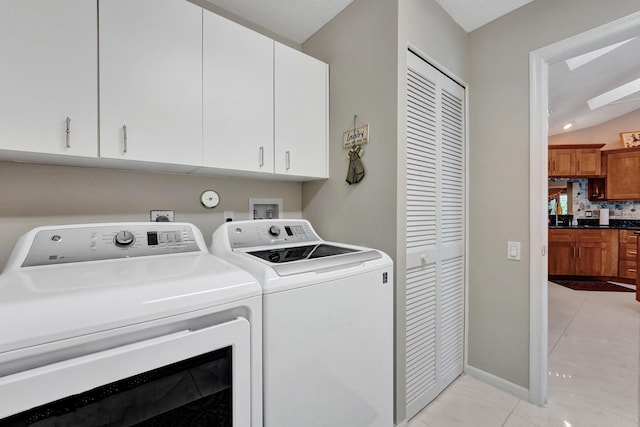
[[617, 210]]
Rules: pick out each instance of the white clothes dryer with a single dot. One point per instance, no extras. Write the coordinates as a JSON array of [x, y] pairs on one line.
[[127, 323], [327, 323]]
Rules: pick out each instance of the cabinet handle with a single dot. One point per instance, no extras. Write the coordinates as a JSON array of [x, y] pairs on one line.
[[68, 131], [574, 251], [288, 159], [124, 139], [633, 252], [261, 156], [632, 270]]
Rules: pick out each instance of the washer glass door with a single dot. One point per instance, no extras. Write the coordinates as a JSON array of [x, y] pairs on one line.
[[187, 378]]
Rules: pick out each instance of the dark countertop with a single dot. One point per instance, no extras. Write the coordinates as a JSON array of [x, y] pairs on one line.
[[594, 227], [594, 223]]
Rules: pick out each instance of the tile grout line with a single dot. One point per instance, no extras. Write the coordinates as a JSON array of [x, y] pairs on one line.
[[513, 410], [567, 327]]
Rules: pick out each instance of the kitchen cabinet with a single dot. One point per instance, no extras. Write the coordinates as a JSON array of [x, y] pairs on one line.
[[151, 81], [583, 252], [623, 179], [575, 160], [48, 65], [301, 114], [562, 260], [237, 97], [627, 254]]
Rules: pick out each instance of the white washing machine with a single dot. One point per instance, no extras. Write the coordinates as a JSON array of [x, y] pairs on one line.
[[127, 323], [327, 323]]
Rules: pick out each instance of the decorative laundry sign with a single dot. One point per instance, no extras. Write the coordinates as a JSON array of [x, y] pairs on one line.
[[357, 136]]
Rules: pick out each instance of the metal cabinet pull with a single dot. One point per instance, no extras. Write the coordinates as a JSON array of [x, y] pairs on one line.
[[124, 140], [68, 131], [633, 252], [261, 156], [574, 251], [632, 270], [288, 159]]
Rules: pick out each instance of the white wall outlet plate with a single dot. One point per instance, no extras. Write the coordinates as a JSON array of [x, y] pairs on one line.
[[162, 216]]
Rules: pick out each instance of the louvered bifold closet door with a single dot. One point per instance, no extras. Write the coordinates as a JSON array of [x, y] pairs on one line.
[[435, 233]]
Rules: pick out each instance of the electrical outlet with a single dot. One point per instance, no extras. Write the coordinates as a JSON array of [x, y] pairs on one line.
[[162, 216]]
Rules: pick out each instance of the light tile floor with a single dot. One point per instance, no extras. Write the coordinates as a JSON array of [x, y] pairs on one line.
[[594, 354]]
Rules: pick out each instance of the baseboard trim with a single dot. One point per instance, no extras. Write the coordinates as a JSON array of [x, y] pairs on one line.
[[504, 385]]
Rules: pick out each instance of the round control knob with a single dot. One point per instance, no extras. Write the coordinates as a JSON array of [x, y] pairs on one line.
[[274, 230], [124, 239]]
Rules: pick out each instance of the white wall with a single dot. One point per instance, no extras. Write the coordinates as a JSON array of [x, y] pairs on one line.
[[35, 195], [365, 47], [499, 289], [360, 46], [607, 133]]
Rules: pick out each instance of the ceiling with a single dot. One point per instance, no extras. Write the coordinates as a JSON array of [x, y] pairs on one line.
[[297, 20], [569, 90]]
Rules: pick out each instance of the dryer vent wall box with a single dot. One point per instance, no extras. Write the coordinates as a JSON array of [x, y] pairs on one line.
[[265, 208]]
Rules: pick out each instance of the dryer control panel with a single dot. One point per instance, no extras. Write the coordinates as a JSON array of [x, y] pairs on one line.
[[93, 242]]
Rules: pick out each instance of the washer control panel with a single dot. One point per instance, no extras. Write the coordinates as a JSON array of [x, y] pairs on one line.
[[249, 234], [68, 244]]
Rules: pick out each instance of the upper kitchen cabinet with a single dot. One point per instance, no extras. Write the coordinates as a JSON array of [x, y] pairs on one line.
[[575, 160], [151, 81], [238, 97], [48, 65], [301, 114], [623, 177]]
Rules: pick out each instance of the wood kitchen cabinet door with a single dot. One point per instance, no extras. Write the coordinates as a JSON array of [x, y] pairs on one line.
[[151, 81], [588, 161], [238, 96], [562, 162], [590, 258], [301, 114], [597, 252], [48, 73], [562, 259], [623, 176]]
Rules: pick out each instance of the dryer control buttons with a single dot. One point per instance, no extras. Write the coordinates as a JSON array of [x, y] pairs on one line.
[[124, 239], [274, 230]]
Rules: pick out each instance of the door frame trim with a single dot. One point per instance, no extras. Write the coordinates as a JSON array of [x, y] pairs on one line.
[[539, 61]]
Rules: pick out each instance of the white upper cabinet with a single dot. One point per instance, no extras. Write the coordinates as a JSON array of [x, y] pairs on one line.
[[301, 114], [151, 81], [238, 97], [48, 73]]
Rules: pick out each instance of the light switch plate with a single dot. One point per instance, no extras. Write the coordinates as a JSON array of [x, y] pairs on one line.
[[513, 251]]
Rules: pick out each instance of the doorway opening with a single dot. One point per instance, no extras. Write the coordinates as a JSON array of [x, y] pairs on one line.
[[540, 60]]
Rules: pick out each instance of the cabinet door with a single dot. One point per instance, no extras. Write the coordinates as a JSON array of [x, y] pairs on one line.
[[238, 96], [590, 259], [301, 84], [562, 259], [151, 81], [48, 64], [562, 162], [623, 179], [588, 161]]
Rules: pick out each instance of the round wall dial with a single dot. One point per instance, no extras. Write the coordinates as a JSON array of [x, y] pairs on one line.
[[210, 199]]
